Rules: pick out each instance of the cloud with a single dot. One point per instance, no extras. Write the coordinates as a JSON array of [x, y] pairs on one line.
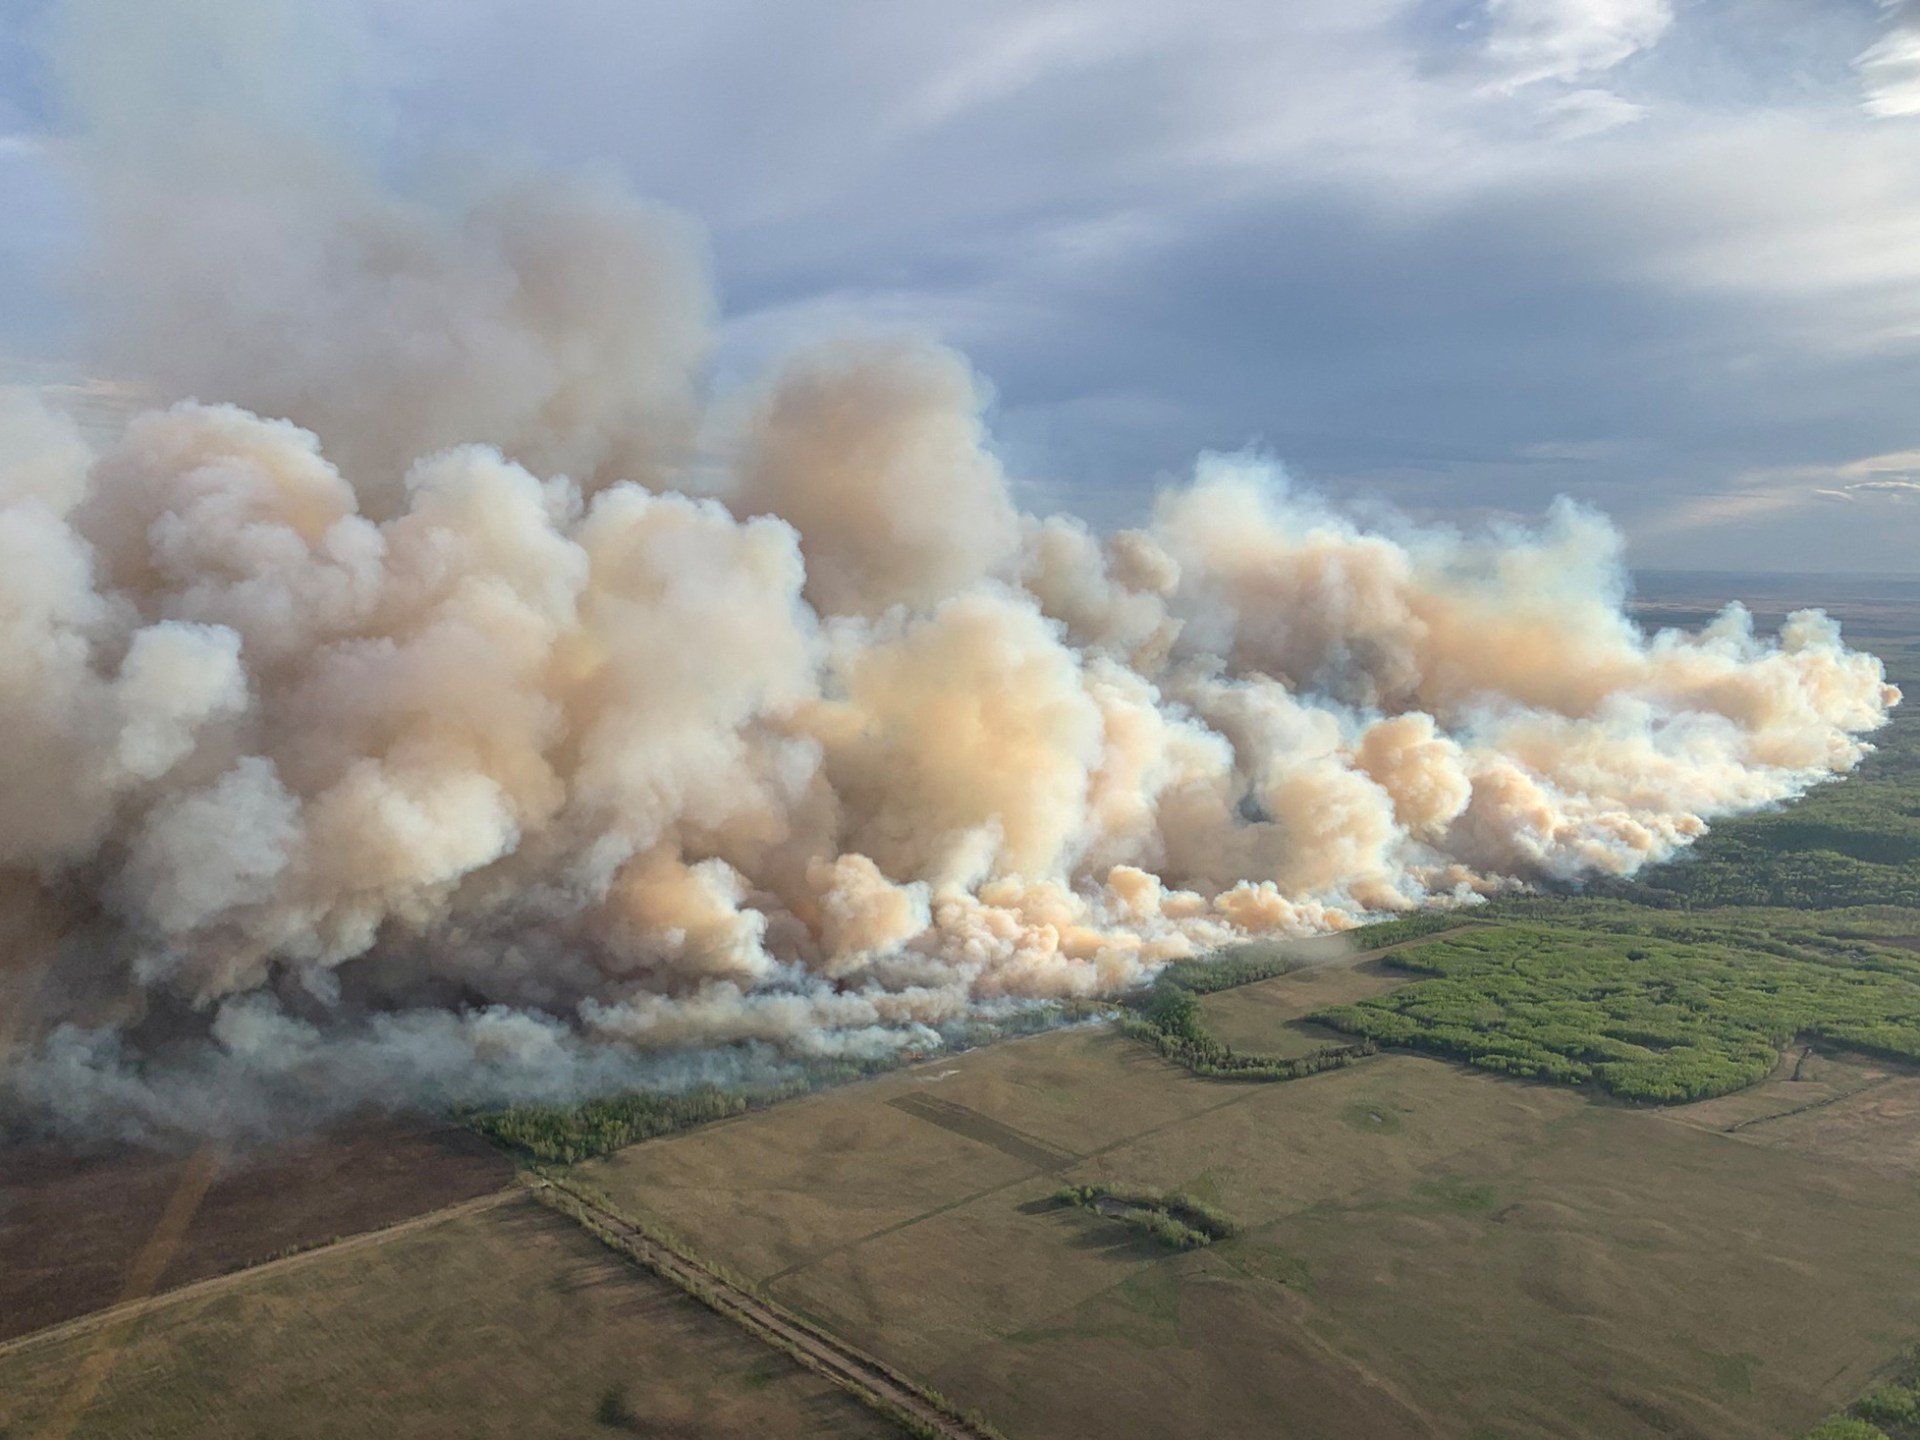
[[1033, 49], [487, 708], [1903, 492], [1580, 113], [1891, 492], [1890, 68], [1800, 516], [1334, 227], [1529, 41]]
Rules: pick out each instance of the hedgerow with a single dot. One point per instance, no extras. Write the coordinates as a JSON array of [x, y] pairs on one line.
[[1176, 1221]]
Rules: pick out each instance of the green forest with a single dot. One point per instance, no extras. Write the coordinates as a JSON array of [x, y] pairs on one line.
[[1641, 1016], [1168, 1018]]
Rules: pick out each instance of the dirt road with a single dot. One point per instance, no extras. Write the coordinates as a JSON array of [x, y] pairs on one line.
[[813, 1347]]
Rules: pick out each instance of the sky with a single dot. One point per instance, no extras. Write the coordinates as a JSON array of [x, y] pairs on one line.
[[1457, 256]]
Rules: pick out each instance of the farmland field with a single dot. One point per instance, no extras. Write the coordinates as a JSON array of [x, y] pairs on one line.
[[71, 1224], [1427, 1250], [508, 1322]]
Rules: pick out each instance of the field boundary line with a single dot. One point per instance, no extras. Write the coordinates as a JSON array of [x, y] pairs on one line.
[[1239, 1094], [922, 1412], [148, 1265], [1740, 1125], [213, 1284]]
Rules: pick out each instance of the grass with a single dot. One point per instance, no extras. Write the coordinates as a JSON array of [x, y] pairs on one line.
[[1889, 1411], [1505, 1256], [1418, 1241], [707, 1284], [507, 1323], [1456, 1195], [1416, 1246], [567, 1134], [589, 1129]]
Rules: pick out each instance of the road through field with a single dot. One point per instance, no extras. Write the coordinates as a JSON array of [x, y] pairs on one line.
[[814, 1347]]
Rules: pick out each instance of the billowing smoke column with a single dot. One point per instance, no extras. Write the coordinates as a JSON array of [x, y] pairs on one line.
[[508, 728]]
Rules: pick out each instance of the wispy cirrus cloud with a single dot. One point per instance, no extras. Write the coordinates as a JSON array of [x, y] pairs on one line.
[[1535, 40], [1890, 68], [1797, 516]]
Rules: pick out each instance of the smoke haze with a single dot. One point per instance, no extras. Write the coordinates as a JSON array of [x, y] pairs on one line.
[[443, 700]]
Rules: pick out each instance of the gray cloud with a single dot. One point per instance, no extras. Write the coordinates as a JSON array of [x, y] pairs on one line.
[[1403, 243], [348, 761]]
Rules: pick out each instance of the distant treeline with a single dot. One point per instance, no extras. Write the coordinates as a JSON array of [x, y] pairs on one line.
[[1854, 841], [1262, 960], [566, 1134], [1176, 1221], [1224, 969], [1410, 927]]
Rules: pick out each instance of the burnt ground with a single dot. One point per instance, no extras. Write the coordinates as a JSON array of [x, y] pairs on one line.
[[71, 1226]]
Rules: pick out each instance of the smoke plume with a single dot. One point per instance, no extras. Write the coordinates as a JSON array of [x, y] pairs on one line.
[[449, 704]]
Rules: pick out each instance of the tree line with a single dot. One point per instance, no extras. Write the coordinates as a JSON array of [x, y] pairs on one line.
[[1177, 1221]]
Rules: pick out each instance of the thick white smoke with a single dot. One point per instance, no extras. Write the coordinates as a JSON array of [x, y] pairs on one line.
[[474, 737]]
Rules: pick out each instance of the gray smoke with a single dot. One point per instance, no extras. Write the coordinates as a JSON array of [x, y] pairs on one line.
[[503, 723]]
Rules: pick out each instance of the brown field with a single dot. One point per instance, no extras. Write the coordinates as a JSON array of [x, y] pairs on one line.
[[1269, 1018], [1429, 1250], [72, 1225], [1851, 1111], [509, 1322]]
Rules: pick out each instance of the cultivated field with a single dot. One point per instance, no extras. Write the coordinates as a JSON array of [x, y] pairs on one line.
[[1269, 1019], [1840, 1109], [1428, 1250], [507, 1322], [72, 1225]]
